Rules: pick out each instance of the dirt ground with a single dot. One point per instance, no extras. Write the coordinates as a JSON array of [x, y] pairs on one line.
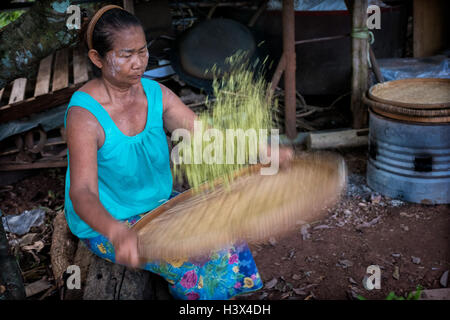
[[328, 259], [325, 260]]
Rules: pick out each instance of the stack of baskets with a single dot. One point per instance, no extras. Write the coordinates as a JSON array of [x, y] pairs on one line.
[[425, 100], [409, 140]]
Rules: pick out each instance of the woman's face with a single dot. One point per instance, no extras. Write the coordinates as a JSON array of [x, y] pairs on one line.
[[128, 59]]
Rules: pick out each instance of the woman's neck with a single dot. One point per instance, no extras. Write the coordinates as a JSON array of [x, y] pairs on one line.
[[118, 93]]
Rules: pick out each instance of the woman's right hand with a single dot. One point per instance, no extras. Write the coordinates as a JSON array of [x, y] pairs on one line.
[[125, 242]]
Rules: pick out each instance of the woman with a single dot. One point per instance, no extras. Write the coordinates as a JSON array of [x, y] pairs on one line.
[[119, 162]]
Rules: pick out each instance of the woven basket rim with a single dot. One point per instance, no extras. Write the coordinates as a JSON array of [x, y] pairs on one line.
[[405, 111], [408, 82]]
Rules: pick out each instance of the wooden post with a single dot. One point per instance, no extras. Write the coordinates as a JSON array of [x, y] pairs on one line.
[[358, 8], [289, 72], [373, 60], [430, 26], [128, 5]]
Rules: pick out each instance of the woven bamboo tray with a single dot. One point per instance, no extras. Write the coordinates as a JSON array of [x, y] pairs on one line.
[[421, 93], [252, 208]]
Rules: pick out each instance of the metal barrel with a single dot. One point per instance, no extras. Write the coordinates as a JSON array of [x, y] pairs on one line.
[[409, 161]]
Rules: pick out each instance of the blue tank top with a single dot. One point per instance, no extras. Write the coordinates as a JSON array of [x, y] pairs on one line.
[[133, 171]]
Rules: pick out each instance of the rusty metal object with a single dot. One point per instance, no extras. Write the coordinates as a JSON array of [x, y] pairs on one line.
[[30, 144], [34, 153]]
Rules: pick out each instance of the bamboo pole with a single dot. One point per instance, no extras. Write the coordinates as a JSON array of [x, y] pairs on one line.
[[358, 9], [289, 71], [342, 36], [373, 59]]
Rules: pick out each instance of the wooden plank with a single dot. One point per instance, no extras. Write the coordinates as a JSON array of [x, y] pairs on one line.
[[80, 71], [429, 26], [18, 90], [36, 104], [61, 73], [43, 78], [34, 165]]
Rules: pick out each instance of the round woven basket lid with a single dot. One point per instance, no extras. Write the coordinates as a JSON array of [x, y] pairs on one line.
[[420, 93]]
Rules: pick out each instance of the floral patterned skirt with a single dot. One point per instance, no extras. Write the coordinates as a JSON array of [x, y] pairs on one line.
[[221, 275]]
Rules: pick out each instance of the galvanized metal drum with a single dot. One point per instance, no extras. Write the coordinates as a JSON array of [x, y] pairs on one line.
[[408, 160]]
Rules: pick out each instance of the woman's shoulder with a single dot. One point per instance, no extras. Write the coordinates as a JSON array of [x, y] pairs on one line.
[[91, 87], [88, 96], [150, 84], [81, 108]]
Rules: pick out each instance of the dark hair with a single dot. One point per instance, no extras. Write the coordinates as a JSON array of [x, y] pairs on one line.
[[110, 22]]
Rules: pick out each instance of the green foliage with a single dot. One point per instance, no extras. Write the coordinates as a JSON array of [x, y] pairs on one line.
[[7, 17], [414, 295]]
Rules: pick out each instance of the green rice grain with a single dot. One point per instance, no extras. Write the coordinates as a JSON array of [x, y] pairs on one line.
[[240, 103]]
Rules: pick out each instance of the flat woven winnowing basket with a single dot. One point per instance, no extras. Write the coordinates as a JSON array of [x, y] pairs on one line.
[[252, 208]]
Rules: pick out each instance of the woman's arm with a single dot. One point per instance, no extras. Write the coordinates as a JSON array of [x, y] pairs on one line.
[[175, 113], [83, 132]]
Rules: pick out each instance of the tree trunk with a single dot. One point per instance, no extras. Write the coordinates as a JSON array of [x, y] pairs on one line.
[[33, 36], [110, 281]]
